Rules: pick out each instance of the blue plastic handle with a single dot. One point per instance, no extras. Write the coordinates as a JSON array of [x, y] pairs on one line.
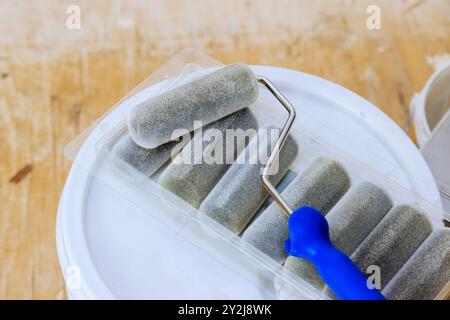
[[310, 239]]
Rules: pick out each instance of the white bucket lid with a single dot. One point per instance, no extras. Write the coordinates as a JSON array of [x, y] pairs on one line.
[[110, 248]]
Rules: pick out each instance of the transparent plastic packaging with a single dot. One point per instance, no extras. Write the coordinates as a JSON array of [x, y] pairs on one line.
[[196, 227]]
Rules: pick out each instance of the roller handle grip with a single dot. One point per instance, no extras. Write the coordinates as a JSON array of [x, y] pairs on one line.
[[309, 239]]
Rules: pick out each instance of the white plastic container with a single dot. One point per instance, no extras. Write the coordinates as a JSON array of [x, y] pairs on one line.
[[121, 235], [430, 105]]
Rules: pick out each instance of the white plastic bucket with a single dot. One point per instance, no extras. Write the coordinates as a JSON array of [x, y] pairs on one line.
[[110, 248], [430, 105]]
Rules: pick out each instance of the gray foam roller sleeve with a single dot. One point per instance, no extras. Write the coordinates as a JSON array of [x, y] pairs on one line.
[[238, 195], [207, 99], [356, 215], [191, 177], [393, 241], [147, 161], [426, 273], [320, 186]]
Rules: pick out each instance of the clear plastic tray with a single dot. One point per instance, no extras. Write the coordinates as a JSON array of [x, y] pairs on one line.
[[204, 232]]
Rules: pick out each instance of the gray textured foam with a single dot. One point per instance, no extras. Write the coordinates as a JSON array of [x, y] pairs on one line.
[[147, 161], [193, 181], [205, 99], [426, 273], [393, 241], [320, 186], [238, 195], [356, 215], [350, 221]]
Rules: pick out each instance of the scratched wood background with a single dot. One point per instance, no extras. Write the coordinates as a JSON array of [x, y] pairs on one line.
[[54, 82]]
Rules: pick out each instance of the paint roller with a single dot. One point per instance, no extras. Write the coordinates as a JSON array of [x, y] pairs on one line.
[[222, 93]]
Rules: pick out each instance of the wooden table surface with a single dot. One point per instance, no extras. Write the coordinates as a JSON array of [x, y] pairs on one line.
[[54, 82]]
